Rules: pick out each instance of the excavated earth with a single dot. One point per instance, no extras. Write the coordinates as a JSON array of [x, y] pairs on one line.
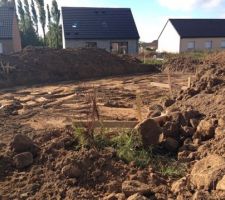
[[38, 159], [43, 65]]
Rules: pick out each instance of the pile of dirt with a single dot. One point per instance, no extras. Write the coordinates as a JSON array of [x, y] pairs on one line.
[[208, 87], [182, 62], [32, 66], [84, 174], [204, 150]]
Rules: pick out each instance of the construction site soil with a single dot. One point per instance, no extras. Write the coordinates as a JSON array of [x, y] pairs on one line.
[[38, 158], [33, 66]]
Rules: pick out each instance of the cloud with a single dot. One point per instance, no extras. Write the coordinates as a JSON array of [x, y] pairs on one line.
[[188, 5]]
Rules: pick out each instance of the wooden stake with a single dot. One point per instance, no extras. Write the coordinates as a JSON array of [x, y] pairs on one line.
[[138, 107], [189, 82], [170, 84], [162, 85], [118, 124]]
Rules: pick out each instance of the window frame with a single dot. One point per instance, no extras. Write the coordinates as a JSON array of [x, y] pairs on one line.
[[122, 47], [91, 44], [191, 48], [210, 46], [222, 46]]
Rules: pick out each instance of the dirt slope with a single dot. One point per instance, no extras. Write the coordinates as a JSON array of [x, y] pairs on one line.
[[47, 65]]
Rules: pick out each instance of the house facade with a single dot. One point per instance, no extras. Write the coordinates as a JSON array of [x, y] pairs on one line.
[[112, 29], [183, 35], [10, 40]]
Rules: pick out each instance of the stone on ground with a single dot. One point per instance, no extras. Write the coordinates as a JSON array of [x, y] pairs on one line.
[[22, 143], [171, 144], [221, 184], [23, 160], [207, 172], [150, 132], [71, 171], [132, 187], [205, 130], [137, 197]]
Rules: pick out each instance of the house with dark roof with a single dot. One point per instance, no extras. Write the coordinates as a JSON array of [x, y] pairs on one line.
[[112, 29], [181, 35], [10, 40]]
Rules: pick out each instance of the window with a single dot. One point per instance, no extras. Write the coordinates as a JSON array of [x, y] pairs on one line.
[[208, 45], [1, 24], [222, 45], [91, 44], [119, 47], [191, 45]]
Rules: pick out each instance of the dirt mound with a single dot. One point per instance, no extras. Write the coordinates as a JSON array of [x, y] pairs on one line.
[[182, 62], [208, 87], [32, 66], [83, 174]]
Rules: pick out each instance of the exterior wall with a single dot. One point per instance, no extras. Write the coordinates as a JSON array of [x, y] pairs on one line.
[[13, 44], [16, 35], [7, 45], [200, 44], [102, 44], [169, 40]]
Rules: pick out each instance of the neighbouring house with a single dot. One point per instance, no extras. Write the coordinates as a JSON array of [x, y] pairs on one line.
[[10, 40], [182, 35], [112, 29]]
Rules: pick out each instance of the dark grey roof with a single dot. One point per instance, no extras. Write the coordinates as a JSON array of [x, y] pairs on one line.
[[6, 22], [198, 28], [99, 23]]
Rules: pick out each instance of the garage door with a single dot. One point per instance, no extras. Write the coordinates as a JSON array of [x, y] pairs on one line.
[[1, 48]]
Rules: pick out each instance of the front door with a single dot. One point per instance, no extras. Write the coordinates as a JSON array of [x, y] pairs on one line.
[[1, 48]]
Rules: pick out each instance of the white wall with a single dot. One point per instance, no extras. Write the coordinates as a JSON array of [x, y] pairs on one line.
[[169, 40]]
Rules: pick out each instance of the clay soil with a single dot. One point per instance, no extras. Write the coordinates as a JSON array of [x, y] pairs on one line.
[[195, 130], [46, 112]]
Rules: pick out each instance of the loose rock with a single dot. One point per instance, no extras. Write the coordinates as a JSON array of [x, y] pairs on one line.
[[171, 144], [132, 187], [137, 197], [207, 172], [22, 143], [71, 171], [150, 132], [205, 130], [221, 184], [23, 160], [179, 185]]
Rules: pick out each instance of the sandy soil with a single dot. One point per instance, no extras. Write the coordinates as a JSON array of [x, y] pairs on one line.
[[46, 106]]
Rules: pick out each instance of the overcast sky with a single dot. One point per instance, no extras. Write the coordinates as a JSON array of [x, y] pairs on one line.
[[151, 15]]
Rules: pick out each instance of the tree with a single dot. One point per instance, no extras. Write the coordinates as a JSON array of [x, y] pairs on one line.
[[21, 15], [50, 28], [56, 17], [28, 20], [34, 16], [42, 16], [28, 34]]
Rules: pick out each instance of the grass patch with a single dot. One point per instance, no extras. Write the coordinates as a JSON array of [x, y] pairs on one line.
[[168, 166], [128, 146], [152, 61]]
